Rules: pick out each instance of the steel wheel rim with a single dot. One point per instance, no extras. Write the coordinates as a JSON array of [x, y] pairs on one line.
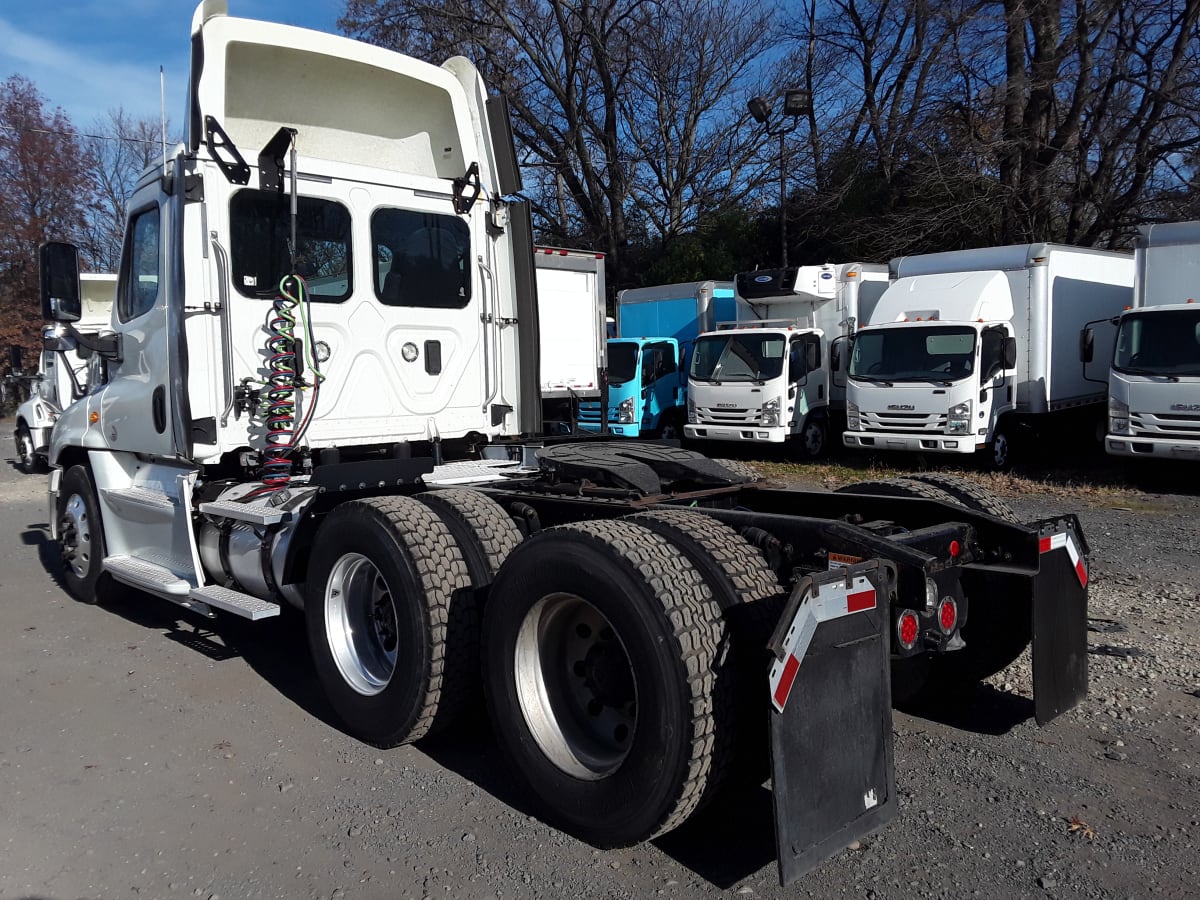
[[670, 431], [25, 449], [812, 439], [75, 531], [361, 624], [575, 686], [1000, 451]]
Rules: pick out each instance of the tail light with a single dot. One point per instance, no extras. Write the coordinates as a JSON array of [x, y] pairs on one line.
[[947, 615], [907, 629]]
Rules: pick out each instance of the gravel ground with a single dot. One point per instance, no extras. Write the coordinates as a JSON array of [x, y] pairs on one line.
[[146, 752]]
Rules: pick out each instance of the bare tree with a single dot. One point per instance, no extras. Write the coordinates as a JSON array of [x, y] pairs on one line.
[[119, 148]]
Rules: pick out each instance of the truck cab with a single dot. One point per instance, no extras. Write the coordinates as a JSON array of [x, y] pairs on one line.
[[645, 389], [774, 375], [1154, 378]]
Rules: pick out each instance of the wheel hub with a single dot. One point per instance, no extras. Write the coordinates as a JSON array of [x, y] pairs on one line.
[[361, 624], [606, 673], [76, 536]]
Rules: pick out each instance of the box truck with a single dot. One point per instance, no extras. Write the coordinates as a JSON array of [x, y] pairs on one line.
[[571, 334], [1154, 377], [62, 374], [774, 375], [647, 363], [975, 350]]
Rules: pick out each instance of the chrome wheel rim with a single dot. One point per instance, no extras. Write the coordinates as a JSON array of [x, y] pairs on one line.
[[25, 449], [575, 686], [75, 536], [361, 624]]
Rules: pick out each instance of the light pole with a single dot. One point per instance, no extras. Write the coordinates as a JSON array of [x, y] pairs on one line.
[[796, 103]]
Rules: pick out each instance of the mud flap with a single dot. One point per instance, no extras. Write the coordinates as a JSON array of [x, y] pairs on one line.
[[833, 778], [1060, 595]]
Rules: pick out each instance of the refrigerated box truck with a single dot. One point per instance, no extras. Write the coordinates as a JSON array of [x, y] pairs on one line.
[[972, 350]]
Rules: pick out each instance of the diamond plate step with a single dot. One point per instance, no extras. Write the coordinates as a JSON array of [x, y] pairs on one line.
[[244, 605], [147, 576], [254, 513]]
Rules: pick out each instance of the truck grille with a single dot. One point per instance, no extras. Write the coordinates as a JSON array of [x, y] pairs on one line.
[[916, 423], [1173, 426], [709, 415]]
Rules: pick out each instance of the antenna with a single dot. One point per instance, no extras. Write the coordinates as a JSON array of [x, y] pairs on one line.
[[162, 106]]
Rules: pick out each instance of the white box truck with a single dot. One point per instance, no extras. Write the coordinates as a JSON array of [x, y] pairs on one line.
[[62, 377], [572, 334], [1154, 379], [971, 350], [771, 377]]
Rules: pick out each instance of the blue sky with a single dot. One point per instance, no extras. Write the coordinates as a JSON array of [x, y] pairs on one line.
[[92, 56]]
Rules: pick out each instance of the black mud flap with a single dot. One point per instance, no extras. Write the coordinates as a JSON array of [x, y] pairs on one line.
[[1060, 601], [833, 777]]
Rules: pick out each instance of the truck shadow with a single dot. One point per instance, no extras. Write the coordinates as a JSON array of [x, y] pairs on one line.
[[983, 709]]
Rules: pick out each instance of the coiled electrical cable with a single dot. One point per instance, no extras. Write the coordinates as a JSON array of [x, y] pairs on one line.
[[279, 395]]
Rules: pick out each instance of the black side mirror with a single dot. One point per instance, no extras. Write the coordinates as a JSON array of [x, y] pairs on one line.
[[60, 282], [1087, 345], [812, 357], [14, 359], [1010, 352]]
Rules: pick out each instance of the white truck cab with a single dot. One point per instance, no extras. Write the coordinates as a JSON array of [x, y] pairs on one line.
[[976, 350], [772, 377]]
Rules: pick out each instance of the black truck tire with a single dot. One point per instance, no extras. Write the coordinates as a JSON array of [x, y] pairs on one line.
[[968, 494], [81, 539], [751, 600], [899, 487], [813, 439], [383, 581], [27, 456], [742, 469], [601, 643], [486, 534]]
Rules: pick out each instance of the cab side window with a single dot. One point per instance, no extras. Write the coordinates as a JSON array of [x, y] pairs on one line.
[[140, 274]]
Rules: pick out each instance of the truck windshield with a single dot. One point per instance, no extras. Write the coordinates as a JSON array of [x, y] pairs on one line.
[[934, 353], [739, 357], [1159, 342], [622, 362]]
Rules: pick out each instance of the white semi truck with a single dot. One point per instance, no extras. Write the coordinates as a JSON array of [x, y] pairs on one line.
[[975, 350], [776, 375], [572, 334], [307, 351], [62, 375], [1154, 377]]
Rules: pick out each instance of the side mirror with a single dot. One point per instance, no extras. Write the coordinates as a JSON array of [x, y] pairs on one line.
[[60, 282], [1010, 352], [1087, 345], [835, 355], [812, 357], [14, 359]]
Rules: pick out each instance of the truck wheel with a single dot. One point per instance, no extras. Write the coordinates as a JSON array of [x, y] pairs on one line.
[[81, 539], [486, 534], [26, 455], [810, 442], [387, 631], [671, 428], [968, 494], [899, 487], [997, 456], [751, 600], [741, 469], [601, 644]]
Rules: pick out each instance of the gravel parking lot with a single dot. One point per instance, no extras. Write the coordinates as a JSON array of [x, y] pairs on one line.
[[148, 752]]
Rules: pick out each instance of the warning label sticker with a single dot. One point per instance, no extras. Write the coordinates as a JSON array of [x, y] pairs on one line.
[[842, 560]]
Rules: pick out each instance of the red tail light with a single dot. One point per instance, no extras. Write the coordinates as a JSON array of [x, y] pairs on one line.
[[947, 615], [907, 629]]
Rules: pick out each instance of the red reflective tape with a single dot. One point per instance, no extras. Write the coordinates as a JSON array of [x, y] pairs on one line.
[[1081, 572], [860, 601], [1044, 545], [790, 668]]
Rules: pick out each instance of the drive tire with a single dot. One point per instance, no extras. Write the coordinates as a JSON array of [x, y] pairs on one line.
[[968, 494], [81, 539], [743, 470], [388, 635], [600, 640], [900, 487]]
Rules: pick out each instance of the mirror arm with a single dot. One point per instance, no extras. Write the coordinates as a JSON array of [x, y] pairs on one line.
[[108, 346]]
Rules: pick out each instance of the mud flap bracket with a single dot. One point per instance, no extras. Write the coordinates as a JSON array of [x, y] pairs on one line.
[[833, 777]]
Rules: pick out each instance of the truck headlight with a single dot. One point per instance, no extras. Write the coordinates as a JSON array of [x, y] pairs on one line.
[[959, 419], [691, 410], [853, 421], [625, 411], [1118, 416], [770, 412]]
